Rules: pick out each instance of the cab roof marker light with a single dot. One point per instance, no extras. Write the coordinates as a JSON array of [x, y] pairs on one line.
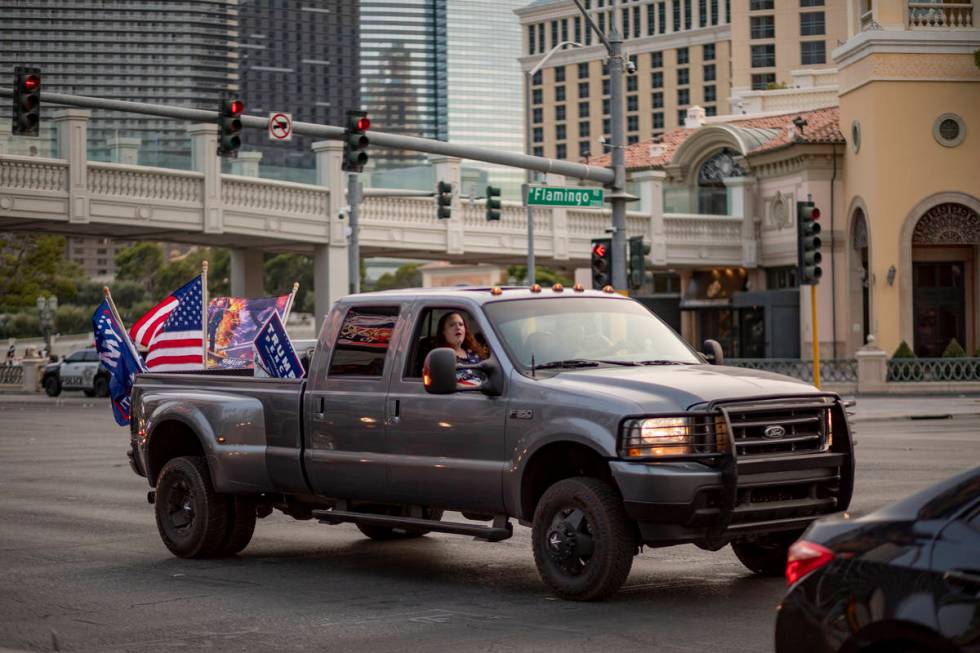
[[608, 289], [578, 288], [558, 288], [536, 288], [496, 290]]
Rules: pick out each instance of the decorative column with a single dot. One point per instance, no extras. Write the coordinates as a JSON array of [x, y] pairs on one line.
[[247, 273], [742, 205], [872, 365], [650, 188], [559, 225], [448, 169], [125, 150], [247, 164], [330, 277], [72, 129], [204, 159]]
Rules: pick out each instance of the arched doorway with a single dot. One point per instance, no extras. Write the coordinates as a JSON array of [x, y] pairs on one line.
[[945, 243], [860, 281]]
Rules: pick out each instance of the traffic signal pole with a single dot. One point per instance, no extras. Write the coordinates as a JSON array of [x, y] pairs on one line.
[[815, 335]]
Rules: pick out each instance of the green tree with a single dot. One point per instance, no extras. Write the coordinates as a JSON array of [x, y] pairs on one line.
[[405, 276], [176, 273], [140, 263], [33, 265], [517, 275], [283, 270]]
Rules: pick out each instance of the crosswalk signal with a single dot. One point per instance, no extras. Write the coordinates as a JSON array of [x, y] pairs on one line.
[[493, 203], [230, 127], [27, 101], [808, 243], [356, 141], [637, 262], [444, 200], [601, 262]]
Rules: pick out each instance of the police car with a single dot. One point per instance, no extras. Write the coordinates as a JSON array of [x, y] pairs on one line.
[[80, 370]]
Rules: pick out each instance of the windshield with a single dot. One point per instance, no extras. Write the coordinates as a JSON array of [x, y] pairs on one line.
[[580, 330]]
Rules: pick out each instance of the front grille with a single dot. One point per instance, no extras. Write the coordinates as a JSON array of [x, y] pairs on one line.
[[780, 426]]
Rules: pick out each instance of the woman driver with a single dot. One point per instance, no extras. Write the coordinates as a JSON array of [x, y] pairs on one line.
[[453, 332]]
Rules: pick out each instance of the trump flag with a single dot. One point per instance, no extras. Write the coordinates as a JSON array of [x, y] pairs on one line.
[[118, 357]]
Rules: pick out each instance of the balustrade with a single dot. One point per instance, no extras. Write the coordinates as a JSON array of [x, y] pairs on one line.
[[940, 15]]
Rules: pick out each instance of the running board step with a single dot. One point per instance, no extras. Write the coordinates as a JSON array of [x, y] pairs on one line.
[[501, 529]]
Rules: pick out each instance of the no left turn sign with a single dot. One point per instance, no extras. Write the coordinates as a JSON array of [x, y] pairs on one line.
[[280, 126]]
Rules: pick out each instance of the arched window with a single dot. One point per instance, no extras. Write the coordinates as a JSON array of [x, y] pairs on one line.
[[712, 193]]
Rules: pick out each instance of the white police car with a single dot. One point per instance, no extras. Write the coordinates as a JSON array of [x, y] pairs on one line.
[[80, 370]]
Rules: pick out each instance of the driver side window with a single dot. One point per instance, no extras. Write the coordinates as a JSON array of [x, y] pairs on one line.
[[427, 338]]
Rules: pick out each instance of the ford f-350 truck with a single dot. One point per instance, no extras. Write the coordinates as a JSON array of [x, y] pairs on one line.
[[589, 420]]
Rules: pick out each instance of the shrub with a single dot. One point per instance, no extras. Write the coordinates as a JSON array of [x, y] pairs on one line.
[[73, 319], [904, 351], [954, 350]]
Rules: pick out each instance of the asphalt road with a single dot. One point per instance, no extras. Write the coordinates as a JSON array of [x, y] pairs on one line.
[[82, 567]]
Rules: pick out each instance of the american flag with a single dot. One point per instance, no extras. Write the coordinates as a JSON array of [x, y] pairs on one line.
[[178, 344], [146, 327]]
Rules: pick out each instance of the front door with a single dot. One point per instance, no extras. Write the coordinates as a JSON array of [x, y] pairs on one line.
[[448, 450], [939, 305]]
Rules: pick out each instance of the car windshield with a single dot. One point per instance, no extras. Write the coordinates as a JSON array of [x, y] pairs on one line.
[[585, 331]]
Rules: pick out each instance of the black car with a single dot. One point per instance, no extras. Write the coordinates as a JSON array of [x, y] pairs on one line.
[[903, 579]]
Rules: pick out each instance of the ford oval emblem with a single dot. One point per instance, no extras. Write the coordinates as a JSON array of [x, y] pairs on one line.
[[774, 431]]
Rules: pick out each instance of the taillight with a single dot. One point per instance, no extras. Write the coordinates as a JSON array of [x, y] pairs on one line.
[[804, 558]]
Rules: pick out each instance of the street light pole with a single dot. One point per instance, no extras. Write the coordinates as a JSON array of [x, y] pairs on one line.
[[528, 77]]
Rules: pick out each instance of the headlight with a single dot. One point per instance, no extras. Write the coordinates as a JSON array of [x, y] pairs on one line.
[[657, 436]]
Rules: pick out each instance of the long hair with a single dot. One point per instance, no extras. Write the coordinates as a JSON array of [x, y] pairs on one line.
[[469, 342]]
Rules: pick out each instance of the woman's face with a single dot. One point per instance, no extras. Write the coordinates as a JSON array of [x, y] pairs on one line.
[[455, 330]]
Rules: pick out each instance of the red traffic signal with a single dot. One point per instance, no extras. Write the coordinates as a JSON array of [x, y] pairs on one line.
[[237, 107], [363, 124], [814, 213], [599, 250], [31, 83]]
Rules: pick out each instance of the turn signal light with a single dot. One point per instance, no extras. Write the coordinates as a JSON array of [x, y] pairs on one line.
[[805, 558]]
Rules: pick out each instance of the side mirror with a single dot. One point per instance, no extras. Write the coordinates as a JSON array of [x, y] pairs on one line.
[[713, 352], [439, 371]]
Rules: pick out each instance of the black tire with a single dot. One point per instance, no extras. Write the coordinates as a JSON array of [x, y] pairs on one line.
[[386, 533], [583, 540], [766, 554], [191, 517], [88, 393], [100, 388], [241, 525], [52, 386]]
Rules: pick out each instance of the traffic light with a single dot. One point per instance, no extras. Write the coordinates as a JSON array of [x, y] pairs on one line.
[[637, 262], [230, 127], [356, 141], [601, 263], [444, 200], [493, 203], [27, 101], [808, 243]]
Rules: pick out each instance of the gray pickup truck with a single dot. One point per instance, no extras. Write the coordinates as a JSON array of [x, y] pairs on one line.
[[586, 418]]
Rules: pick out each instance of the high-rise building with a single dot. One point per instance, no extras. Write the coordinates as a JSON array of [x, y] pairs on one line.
[[685, 53], [299, 57], [181, 53]]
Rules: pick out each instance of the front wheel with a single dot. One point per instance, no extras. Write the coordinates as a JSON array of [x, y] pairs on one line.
[[191, 517], [52, 387], [583, 540], [101, 387], [766, 554]]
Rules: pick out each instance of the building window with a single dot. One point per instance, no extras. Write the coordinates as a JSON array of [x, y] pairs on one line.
[[583, 129], [560, 74], [762, 27], [561, 152], [658, 100], [949, 130], [578, 29], [583, 89], [811, 3], [662, 17], [709, 93], [559, 112], [536, 79], [560, 132], [683, 56], [632, 83], [762, 82], [677, 15], [632, 123], [709, 72], [636, 22], [681, 117], [658, 120], [538, 134], [626, 23], [759, 5], [605, 126], [708, 52], [537, 115], [687, 14], [605, 107], [651, 25], [559, 94], [763, 56], [683, 76], [583, 70], [703, 11], [538, 151], [554, 33], [583, 148], [714, 12], [812, 23], [656, 59], [632, 103], [605, 87], [583, 109], [657, 80], [683, 96], [813, 52], [711, 111], [536, 97], [530, 39], [541, 47]]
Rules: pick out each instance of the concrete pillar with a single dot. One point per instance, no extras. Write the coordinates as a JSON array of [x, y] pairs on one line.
[[247, 273], [448, 169], [72, 129], [125, 150], [872, 368], [650, 188], [31, 381], [559, 225], [741, 204], [204, 159], [330, 276], [247, 164]]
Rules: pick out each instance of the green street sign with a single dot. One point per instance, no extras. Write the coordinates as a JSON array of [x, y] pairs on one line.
[[590, 198]]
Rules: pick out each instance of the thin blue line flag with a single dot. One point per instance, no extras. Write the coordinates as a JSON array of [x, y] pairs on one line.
[[117, 357]]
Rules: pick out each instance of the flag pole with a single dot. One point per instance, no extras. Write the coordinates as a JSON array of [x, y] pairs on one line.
[[115, 315], [289, 304], [204, 310]]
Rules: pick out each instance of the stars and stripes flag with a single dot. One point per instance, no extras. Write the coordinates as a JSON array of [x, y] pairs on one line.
[[178, 342]]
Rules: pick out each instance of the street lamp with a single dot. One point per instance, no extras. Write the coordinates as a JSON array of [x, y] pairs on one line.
[[527, 93], [46, 311]]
